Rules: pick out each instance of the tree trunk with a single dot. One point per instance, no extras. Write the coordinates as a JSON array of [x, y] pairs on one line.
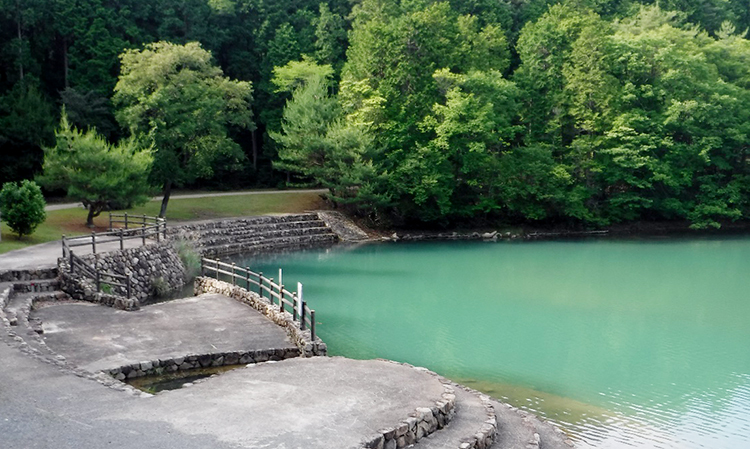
[[255, 150], [20, 39], [90, 217], [66, 67], [165, 200]]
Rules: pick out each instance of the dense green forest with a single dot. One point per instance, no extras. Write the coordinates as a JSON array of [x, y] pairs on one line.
[[419, 111]]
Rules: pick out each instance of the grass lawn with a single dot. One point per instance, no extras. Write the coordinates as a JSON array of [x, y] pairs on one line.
[[72, 221]]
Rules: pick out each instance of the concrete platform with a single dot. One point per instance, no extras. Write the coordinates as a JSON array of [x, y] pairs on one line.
[[310, 403], [94, 337]]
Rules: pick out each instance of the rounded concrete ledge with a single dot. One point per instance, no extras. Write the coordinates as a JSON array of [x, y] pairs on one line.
[[318, 402]]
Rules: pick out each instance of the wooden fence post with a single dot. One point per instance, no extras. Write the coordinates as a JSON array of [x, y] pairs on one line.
[[143, 234], [247, 278], [234, 279], [126, 220], [63, 245], [281, 298], [312, 325], [302, 317], [260, 284], [93, 241]]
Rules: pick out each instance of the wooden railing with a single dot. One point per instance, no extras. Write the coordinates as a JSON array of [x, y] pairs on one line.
[[98, 276], [150, 227], [134, 221], [275, 292], [157, 228]]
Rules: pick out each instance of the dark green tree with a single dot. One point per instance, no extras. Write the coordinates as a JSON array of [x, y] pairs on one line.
[[22, 206], [96, 173]]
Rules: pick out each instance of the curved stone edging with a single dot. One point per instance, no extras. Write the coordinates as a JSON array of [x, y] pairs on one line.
[[302, 339], [188, 362], [486, 434], [424, 421], [420, 423], [53, 358]]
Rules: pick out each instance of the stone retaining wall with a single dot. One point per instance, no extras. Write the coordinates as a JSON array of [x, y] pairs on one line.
[[257, 235], [151, 268], [27, 275], [158, 367], [302, 339], [85, 290]]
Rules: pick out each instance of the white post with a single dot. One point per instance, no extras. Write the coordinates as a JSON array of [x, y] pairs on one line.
[[281, 281], [301, 312]]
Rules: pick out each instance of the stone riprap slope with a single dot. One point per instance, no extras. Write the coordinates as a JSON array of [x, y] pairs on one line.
[[257, 235]]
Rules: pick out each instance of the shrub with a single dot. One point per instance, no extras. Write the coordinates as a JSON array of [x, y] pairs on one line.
[[190, 257], [159, 287], [22, 206]]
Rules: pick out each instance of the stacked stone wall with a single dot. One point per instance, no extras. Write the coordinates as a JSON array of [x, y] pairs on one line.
[[153, 269], [27, 275], [302, 339], [257, 235], [163, 366]]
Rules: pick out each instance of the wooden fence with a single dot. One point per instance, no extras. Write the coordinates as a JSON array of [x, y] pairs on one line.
[[99, 277], [150, 227], [266, 287], [157, 228]]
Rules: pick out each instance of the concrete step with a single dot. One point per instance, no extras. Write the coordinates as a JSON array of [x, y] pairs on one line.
[[262, 235], [243, 228], [517, 429], [244, 222], [28, 275], [271, 245], [36, 285], [470, 416]]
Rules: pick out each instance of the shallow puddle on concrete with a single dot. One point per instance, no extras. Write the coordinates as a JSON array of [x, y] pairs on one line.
[[177, 379]]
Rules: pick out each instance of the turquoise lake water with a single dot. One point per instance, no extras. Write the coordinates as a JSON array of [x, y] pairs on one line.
[[639, 343]]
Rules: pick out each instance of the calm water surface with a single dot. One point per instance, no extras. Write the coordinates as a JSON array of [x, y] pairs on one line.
[[623, 343]]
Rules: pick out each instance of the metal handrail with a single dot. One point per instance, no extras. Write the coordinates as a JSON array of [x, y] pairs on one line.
[[267, 288]]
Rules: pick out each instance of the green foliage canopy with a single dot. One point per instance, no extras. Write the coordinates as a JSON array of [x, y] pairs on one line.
[[176, 96], [96, 173]]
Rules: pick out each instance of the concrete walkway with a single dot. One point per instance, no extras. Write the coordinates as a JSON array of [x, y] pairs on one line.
[[100, 338], [312, 403], [45, 255]]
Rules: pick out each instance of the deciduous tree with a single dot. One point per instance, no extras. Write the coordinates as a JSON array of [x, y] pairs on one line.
[[175, 95]]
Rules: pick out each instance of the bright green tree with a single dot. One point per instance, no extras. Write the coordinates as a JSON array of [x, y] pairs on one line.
[[175, 95], [96, 173], [316, 141], [22, 206]]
